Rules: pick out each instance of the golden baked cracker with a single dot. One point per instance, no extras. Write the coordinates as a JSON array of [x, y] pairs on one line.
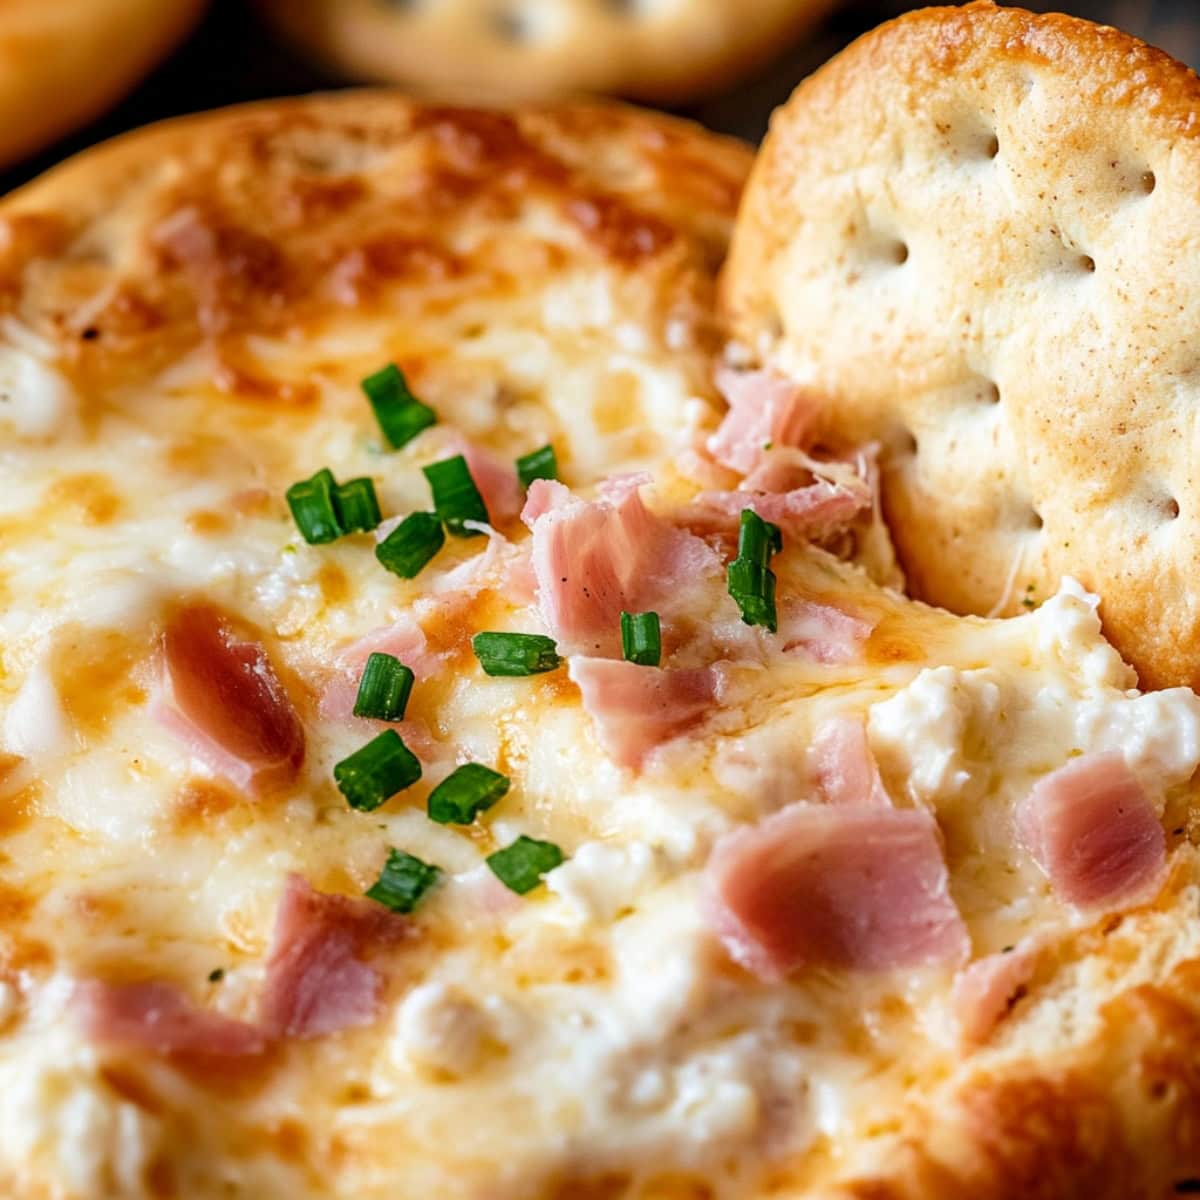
[[62, 62], [519, 50], [976, 231]]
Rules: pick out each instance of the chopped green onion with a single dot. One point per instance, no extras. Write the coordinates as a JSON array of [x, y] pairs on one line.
[[537, 464], [357, 506], [455, 496], [753, 588], [312, 505], [374, 774], [400, 414], [409, 547], [757, 539], [402, 882], [751, 580], [641, 638], [520, 867], [383, 689], [515, 653], [465, 793]]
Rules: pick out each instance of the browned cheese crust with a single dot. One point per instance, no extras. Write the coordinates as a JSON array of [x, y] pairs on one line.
[[62, 62], [523, 51], [265, 218], [975, 231]]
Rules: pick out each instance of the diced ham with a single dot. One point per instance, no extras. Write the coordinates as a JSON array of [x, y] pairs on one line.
[[594, 559], [814, 512], [822, 631], [158, 1016], [1093, 830], [317, 979], [403, 639], [765, 410], [223, 700], [842, 766], [864, 888], [637, 708], [985, 990]]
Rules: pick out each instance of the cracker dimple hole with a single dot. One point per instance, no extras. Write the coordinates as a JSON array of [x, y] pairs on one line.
[[992, 146], [906, 444], [899, 253], [1170, 508], [1035, 521], [991, 392], [1087, 264], [1149, 182]]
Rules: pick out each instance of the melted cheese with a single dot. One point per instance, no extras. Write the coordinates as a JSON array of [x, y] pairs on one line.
[[594, 1030]]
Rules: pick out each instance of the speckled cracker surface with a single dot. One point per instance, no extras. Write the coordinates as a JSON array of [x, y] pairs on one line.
[[976, 231], [662, 50]]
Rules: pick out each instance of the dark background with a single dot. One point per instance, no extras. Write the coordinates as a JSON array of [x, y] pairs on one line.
[[232, 57]]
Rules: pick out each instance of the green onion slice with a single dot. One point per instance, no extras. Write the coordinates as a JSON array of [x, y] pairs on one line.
[[537, 464], [641, 638], [313, 508], [465, 793], [758, 540], [400, 414], [409, 547], [402, 882], [374, 774], [455, 496], [515, 653], [520, 867], [357, 506], [753, 588], [383, 689]]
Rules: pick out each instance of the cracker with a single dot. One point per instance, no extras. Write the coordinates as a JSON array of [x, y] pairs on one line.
[[520, 50], [62, 62], [976, 233]]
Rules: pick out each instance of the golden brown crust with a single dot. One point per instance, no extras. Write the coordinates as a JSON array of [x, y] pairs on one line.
[[522, 52], [62, 62], [263, 218], [975, 231]]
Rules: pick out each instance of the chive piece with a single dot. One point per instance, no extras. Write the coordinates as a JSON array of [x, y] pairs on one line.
[[455, 496], [537, 464], [312, 505], [374, 774], [641, 638], [465, 793], [520, 867], [515, 653], [753, 587], [750, 579], [383, 688], [757, 539], [402, 882], [357, 506], [400, 414], [409, 547]]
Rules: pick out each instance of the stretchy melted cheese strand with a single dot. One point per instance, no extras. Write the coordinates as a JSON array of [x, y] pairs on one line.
[[373, 775], [383, 688], [403, 881], [641, 638], [465, 793], [455, 496], [515, 653], [411, 545], [537, 464], [520, 866], [400, 414]]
